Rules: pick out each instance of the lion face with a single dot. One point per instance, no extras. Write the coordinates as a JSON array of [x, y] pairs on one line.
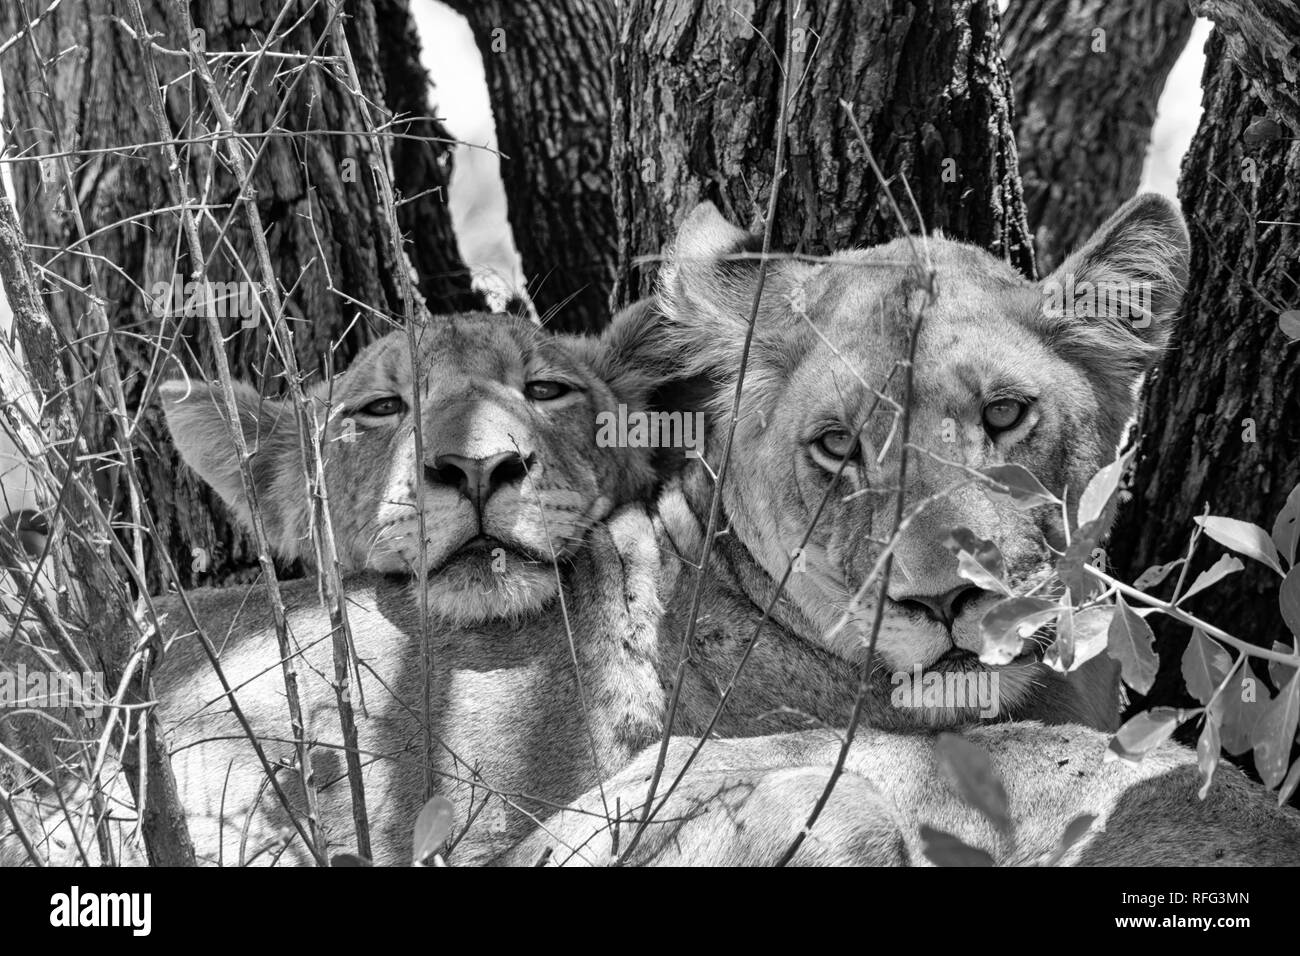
[[510, 477], [1000, 377]]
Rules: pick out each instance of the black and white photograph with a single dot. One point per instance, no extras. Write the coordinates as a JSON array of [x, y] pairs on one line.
[[649, 433]]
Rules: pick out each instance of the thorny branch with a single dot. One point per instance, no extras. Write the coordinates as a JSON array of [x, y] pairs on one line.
[[313, 838]]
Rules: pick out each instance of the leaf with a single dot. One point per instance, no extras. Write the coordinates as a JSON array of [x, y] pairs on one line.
[[1288, 599], [1205, 664], [1131, 642], [1217, 572], [1278, 672], [433, 827], [1075, 831], [1005, 624], [972, 772], [978, 560], [1060, 655], [981, 549], [1155, 574], [977, 574], [1019, 487], [1208, 747], [1090, 628], [944, 849], [1144, 733], [1263, 130], [1242, 537], [1289, 324], [349, 859], [1286, 526], [1242, 709], [1274, 733], [1289, 784], [1072, 564], [1101, 489]]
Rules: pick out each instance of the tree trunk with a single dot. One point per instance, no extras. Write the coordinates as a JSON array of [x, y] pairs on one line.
[[1261, 38], [1088, 75], [696, 105], [326, 234], [1218, 425], [548, 75]]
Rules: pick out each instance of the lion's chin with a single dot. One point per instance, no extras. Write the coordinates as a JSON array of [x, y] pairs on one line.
[[475, 589]]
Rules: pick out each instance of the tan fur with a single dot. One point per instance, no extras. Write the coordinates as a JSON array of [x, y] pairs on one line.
[[507, 722], [505, 694], [827, 335], [745, 800], [508, 719], [472, 370], [513, 735]]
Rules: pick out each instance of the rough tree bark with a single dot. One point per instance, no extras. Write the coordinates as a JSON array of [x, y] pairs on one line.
[[695, 92], [548, 75], [1261, 39], [314, 191], [1218, 426], [1088, 75]]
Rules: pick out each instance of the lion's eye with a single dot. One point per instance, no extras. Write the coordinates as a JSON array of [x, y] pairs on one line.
[[383, 407], [837, 443], [1004, 414], [543, 391]]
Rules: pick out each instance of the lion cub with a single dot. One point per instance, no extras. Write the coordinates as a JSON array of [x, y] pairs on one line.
[[533, 578]]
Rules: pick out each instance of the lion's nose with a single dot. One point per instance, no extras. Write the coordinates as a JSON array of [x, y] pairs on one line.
[[478, 478], [944, 607]]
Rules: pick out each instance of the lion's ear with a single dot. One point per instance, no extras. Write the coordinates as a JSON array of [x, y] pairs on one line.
[[705, 281], [1112, 302], [632, 356], [196, 419], [706, 293]]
